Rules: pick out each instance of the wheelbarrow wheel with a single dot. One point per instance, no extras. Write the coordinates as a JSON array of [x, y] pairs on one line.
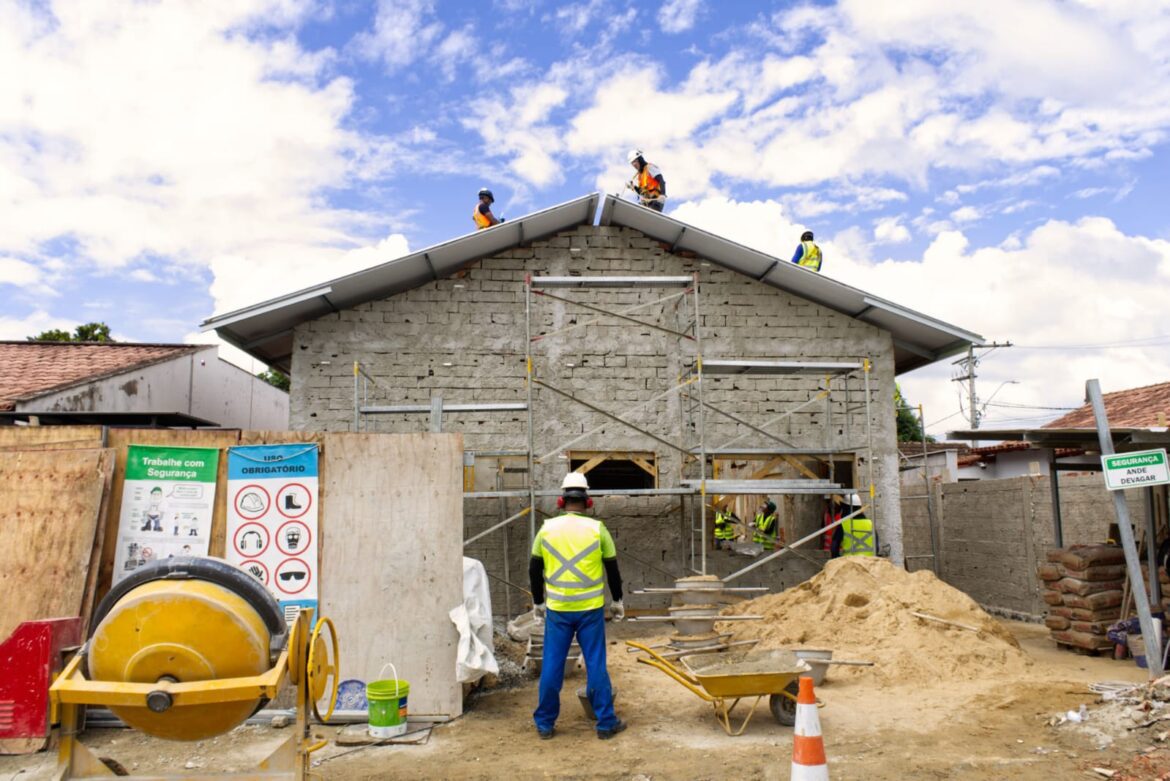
[[783, 708]]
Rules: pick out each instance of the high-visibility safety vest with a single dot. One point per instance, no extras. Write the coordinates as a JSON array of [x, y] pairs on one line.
[[858, 539], [573, 547], [481, 220], [647, 181], [724, 530], [765, 530], [811, 258]]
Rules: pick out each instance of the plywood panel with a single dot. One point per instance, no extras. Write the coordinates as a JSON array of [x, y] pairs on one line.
[[50, 515], [119, 440], [49, 437], [391, 558]]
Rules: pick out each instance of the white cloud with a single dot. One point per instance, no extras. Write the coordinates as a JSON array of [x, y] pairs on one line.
[[966, 214], [676, 16], [1063, 283], [167, 131], [19, 273], [890, 230], [403, 31], [456, 49], [18, 328]]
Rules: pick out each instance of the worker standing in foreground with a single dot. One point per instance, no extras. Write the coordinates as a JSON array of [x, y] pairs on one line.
[[855, 536], [765, 524], [483, 210], [569, 555], [648, 182], [808, 253]]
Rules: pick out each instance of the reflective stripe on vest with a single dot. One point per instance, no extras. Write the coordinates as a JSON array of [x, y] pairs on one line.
[[573, 571], [764, 524], [858, 538], [812, 256], [723, 528], [481, 220]]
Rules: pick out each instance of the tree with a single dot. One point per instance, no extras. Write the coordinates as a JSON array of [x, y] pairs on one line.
[[909, 426], [276, 379], [87, 332]]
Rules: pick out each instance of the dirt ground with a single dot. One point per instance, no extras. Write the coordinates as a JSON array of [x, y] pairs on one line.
[[987, 728]]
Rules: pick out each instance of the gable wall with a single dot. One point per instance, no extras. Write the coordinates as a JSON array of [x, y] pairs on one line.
[[475, 323]]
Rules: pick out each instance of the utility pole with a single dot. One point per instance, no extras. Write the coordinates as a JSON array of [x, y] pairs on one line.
[[967, 366]]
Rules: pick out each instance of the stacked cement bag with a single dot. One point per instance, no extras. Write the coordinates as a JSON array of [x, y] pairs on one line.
[[1082, 587], [1163, 587]]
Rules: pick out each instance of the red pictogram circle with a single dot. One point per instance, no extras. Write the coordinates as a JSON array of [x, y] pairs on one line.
[[252, 550], [296, 512], [284, 546], [245, 512], [292, 585], [247, 566]]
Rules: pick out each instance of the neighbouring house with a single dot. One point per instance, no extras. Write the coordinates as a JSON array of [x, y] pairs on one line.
[[124, 383], [667, 363]]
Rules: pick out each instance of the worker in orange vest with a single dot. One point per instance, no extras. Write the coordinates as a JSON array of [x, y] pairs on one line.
[[483, 210], [648, 182]]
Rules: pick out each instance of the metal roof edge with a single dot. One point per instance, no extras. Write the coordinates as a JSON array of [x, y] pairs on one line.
[[324, 288]]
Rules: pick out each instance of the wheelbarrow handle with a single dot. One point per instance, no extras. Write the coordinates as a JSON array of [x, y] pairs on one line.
[[670, 669]]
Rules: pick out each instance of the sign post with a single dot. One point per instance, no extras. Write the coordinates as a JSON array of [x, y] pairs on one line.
[[1130, 470]]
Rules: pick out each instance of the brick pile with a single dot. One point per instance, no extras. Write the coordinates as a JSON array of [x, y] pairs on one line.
[[1083, 591]]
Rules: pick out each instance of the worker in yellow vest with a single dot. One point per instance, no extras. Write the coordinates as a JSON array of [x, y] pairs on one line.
[[855, 536], [647, 182], [765, 523], [573, 556], [808, 254], [725, 532], [482, 215]]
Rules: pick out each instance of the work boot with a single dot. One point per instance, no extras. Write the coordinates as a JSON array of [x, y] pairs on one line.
[[606, 734], [546, 734]]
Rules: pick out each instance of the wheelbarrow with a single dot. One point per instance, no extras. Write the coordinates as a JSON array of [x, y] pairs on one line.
[[723, 679]]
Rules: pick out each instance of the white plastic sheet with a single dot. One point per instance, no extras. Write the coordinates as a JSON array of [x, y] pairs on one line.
[[473, 619]]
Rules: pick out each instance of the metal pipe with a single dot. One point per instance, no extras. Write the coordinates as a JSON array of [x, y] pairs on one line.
[[702, 432], [499, 525], [528, 390], [1132, 563], [356, 406], [866, 365], [934, 547]]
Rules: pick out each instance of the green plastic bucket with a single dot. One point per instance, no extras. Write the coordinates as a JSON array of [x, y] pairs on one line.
[[387, 704]]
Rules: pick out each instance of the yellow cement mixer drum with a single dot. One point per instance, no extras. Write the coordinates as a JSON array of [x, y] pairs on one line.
[[185, 620]]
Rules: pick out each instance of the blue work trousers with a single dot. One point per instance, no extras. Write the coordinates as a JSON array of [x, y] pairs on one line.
[[559, 628]]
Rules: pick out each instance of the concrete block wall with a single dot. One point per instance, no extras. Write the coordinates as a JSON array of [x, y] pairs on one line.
[[463, 338], [993, 534]]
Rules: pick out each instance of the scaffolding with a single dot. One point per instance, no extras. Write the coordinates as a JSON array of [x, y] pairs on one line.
[[680, 294]]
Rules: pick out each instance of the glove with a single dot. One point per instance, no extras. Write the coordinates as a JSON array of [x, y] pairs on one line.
[[619, 611], [538, 614]]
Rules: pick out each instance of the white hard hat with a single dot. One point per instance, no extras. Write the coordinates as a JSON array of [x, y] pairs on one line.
[[634, 155], [854, 500], [575, 480]]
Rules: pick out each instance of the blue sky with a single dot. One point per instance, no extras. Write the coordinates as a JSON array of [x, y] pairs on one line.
[[1001, 165]]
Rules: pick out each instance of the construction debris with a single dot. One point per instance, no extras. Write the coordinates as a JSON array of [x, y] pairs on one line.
[[865, 607]]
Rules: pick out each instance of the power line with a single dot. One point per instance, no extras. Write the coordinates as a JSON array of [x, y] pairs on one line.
[[1010, 405], [1132, 344]]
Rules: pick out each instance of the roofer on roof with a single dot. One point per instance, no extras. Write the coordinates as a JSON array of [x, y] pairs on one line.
[[483, 210], [648, 182], [808, 254]]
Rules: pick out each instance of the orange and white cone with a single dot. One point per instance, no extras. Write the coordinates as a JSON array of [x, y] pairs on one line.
[[808, 747]]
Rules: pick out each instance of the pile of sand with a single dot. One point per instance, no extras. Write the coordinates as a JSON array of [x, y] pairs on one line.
[[861, 609]]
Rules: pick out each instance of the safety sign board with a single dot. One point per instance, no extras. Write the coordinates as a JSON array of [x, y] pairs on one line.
[[167, 501], [272, 520], [1135, 470]]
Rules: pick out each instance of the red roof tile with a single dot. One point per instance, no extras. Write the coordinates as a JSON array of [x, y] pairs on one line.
[[30, 369], [1133, 408]]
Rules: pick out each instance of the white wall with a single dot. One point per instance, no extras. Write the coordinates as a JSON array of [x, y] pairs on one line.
[[198, 384]]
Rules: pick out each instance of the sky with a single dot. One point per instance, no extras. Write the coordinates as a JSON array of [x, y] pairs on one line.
[[1003, 166]]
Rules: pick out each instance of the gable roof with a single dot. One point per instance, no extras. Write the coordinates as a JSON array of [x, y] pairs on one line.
[[32, 369], [1133, 408], [918, 339], [264, 330]]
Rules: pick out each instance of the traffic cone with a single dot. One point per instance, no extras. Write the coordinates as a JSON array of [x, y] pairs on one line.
[[808, 748]]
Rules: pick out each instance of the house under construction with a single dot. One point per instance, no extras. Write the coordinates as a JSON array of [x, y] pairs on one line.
[[681, 371]]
